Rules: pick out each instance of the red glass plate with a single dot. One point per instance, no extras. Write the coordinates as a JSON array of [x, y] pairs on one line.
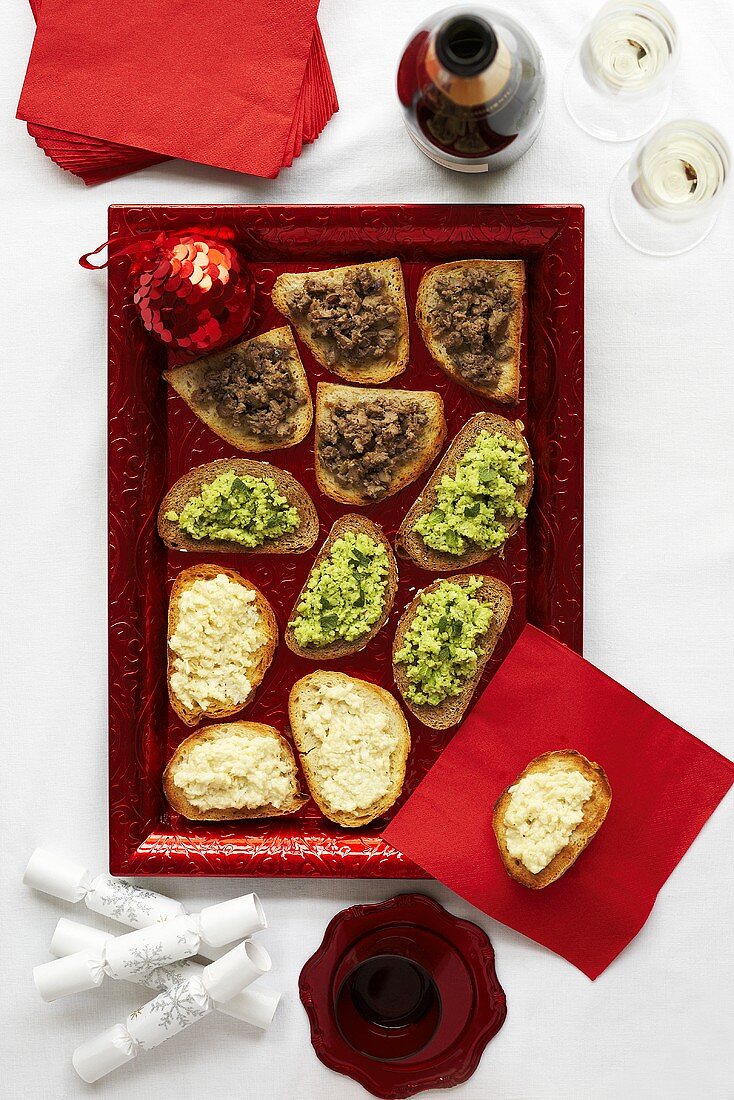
[[154, 438], [440, 1043]]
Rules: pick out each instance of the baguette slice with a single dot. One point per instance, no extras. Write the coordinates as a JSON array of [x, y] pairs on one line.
[[184, 580], [595, 810], [450, 712], [328, 394], [410, 544], [247, 731], [507, 271], [361, 526], [303, 699], [188, 486], [376, 370], [188, 379]]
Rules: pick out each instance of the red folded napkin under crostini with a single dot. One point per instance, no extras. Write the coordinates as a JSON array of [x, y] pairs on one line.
[[665, 785], [237, 85]]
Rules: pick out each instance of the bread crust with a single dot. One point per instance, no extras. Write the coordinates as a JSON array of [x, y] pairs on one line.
[[379, 370], [409, 543], [188, 486], [512, 271], [187, 380], [362, 526], [178, 801], [184, 580], [328, 393], [451, 711], [296, 706], [595, 811]]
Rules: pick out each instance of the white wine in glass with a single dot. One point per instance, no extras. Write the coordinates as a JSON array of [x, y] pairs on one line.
[[617, 85], [665, 200]]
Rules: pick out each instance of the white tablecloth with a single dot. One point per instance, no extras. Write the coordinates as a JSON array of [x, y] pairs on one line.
[[659, 559]]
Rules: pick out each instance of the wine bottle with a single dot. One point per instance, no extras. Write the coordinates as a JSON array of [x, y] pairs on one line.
[[472, 86]]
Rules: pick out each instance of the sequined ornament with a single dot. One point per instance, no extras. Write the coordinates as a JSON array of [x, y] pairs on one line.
[[192, 293]]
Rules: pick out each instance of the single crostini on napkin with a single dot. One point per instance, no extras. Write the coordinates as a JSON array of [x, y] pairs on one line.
[[665, 785]]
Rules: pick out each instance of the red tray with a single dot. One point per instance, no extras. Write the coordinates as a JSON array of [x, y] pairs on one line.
[[154, 438]]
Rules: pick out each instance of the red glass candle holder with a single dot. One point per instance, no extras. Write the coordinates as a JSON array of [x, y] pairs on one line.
[[402, 996]]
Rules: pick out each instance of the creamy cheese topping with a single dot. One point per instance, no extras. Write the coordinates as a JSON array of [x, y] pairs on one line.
[[236, 773], [218, 635], [351, 745], [544, 809]]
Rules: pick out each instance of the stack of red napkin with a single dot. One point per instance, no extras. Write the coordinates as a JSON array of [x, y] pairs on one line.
[[239, 84], [665, 785]]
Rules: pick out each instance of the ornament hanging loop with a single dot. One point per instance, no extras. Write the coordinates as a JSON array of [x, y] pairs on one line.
[[86, 262], [127, 245], [133, 245]]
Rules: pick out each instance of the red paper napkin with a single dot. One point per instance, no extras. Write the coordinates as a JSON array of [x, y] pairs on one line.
[[235, 85], [665, 785]]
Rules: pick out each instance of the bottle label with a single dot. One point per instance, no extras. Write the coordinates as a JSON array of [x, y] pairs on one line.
[[488, 91]]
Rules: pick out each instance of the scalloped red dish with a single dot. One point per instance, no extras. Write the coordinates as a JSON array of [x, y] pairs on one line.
[[154, 438], [457, 958]]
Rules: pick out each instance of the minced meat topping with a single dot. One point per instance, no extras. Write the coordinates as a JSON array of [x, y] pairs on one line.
[[255, 389], [357, 319], [362, 445], [472, 319]]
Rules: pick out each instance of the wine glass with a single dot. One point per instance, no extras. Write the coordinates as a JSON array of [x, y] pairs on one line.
[[666, 198], [617, 85]]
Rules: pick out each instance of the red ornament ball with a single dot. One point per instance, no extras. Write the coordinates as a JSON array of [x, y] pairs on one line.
[[192, 293]]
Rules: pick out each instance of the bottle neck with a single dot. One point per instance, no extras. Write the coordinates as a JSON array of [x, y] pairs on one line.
[[488, 86]]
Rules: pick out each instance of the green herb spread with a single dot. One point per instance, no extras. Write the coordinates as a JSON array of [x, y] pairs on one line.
[[471, 506], [246, 510], [442, 645], [345, 594]]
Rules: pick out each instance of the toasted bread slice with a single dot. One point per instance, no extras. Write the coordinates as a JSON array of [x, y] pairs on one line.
[[451, 710], [595, 810], [329, 394], [190, 485], [410, 544], [373, 371], [192, 716], [246, 732], [188, 380], [510, 272], [361, 526], [304, 701]]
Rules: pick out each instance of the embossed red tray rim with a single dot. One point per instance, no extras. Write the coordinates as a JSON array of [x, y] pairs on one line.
[[552, 235]]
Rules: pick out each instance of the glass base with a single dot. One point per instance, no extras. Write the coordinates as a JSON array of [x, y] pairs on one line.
[[647, 233], [609, 117]]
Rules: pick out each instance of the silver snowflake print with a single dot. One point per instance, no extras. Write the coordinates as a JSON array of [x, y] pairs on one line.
[[178, 1006], [141, 960], [164, 976], [126, 902]]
